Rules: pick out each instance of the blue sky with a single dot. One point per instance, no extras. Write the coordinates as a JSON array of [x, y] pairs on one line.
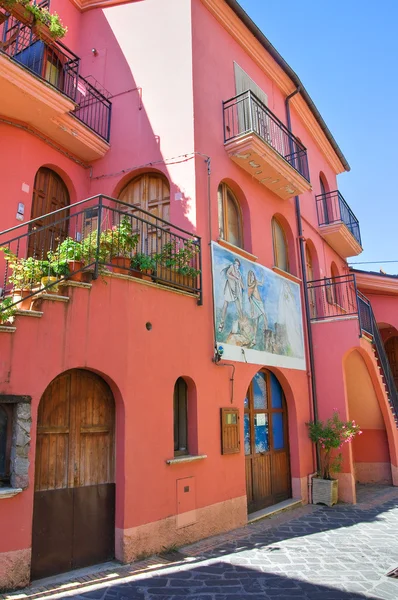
[[346, 54]]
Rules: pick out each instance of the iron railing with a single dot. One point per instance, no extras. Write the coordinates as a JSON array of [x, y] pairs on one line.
[[332, 208], [245, 113], [338, 297], [385, 365], [94, 237], [332, 297], [59, 67]]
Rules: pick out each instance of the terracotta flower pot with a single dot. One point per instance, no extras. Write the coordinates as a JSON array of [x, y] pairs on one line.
[[146, 275], [120, 264], [324, 491], [75, 265], [174, 279], [20, 297]]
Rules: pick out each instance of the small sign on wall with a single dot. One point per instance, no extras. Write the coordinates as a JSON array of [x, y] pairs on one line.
[[20, 211]]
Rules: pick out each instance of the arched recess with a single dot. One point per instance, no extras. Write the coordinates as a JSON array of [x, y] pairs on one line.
[[325, 202], [282, 233], [370, 450], [391, 348], [266, 442], [74, 499], [185, 417], [50, 193], [312, 273]]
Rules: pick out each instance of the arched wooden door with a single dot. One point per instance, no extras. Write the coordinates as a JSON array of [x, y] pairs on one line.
[[310, 277], [391, 347], [74, 500], [149, 192], [266, 443], [49, 194]]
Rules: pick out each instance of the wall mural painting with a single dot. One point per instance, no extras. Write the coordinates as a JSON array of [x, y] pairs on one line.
[[257, 312]]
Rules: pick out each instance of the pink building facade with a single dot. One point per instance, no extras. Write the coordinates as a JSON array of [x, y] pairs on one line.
[[157, 379]]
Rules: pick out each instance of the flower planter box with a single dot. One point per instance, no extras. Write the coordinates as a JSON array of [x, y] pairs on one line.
[[20, 13], [176, 280], [324, 491], [146, 275]]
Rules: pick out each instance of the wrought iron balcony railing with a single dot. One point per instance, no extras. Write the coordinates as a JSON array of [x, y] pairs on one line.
[[92, 237], [338, 297], [58, 66], [332, 208], [245, 113]]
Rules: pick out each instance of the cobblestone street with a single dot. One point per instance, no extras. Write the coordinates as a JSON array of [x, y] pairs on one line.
[[310, 553]]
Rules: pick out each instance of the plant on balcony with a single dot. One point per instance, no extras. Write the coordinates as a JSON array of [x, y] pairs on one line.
[[176, 262], [25, 275], [145, 265], [7, 310], [119, 243], [329, 436], [68, 258], [39, 15]]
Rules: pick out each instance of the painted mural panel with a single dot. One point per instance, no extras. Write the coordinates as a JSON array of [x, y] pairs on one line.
[[257, 312]]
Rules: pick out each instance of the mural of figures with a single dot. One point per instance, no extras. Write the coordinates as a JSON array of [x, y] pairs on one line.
[[257, 312]]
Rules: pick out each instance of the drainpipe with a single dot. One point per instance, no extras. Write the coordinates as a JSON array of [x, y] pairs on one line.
[[304, 277]]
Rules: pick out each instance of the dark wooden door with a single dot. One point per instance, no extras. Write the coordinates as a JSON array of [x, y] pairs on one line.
[[74, 500], [266, 443], [49, 194], [149, 192], [392, 354]]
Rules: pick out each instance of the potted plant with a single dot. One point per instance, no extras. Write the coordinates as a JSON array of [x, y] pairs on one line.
[[143, 265], [7, 310], [330, 435], [176, 263], [52, 272], [69, 253], [118, 244], [25, 275], [48, 26]]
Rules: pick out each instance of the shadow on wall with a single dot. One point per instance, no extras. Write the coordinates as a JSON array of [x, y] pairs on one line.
[[135, 146]]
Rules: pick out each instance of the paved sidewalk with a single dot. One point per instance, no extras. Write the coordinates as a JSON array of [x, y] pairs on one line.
[[311, 553]]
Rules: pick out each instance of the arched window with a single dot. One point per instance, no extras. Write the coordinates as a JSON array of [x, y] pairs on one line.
[[281, 254], [322, 184], [229, 216], [180, 417], [310, 277]]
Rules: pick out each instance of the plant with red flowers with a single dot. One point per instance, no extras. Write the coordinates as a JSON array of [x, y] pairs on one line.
[[330, 436]]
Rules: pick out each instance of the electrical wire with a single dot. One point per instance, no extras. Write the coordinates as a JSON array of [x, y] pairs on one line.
[[373, 262], [165, 161]]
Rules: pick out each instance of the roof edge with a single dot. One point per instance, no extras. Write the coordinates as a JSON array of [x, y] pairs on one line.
[[258, 34]]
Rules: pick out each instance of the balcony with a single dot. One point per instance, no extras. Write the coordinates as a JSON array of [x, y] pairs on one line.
[[100, 236], [338, 225], [261, 144], [41, 87]]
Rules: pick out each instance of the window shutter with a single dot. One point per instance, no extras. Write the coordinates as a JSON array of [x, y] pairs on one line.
[[230, 431], [243, 83]]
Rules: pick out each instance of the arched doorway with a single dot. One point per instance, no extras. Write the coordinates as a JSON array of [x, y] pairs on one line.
[[49, 194], [149, 192], [266, 443], [74, 499], [391, 347]]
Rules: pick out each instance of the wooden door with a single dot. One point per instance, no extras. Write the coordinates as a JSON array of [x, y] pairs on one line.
[[49, 194], [392, 354], [73, 517], [310, 277], [149, 192], [266, 443]]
